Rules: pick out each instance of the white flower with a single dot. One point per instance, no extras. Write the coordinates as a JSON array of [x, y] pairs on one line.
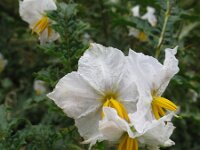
[[3, 63], [137, 34], [115, 129], [136, 11], [100, 81], [114, 1], [152, 78], [158, 136], [150, 16], [39, 87], [156, 133], [34, 13]]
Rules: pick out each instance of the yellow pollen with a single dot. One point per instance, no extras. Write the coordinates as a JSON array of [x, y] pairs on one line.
[[161, 103], [41, 25], [142, 36], [128, 143]]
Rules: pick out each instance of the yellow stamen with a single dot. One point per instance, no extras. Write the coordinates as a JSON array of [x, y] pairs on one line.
[[41, 25], [155, 111], [142, 36], [160, 103], [122, 144], [118, 107], [128, 143]]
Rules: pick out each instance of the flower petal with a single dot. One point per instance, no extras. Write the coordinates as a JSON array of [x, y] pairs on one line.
[[150, 16], [136, 11], [103, 67], [112, 126], [75, 96], [159, 135], [44, 37], [88, 127], [170, 68], [32, 10]]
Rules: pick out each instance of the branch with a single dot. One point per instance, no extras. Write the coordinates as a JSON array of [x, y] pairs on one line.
[[160, 41]]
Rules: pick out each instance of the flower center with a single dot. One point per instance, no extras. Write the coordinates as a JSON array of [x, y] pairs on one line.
[[118, 107], [126, 143], [160, 104], [41, 25], [142, 36]]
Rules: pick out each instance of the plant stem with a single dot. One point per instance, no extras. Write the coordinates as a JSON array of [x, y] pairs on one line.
[[160, 41]]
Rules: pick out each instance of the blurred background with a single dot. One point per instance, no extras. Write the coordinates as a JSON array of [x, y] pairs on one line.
[[30, 121]]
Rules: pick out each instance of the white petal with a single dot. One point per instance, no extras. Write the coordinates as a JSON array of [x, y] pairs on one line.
[[150, 16], [103, 67], [75, 96], [39, 87], [128, 93], [32, 11], [136, 11], [170, 68], [144, 70], [158, 75], [112, 126], [144, 121], [110, 130], [134, 32], [88, 127], [45, 38], [159, 135]]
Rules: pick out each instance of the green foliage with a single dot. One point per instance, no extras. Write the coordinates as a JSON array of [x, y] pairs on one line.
[[33, 122]]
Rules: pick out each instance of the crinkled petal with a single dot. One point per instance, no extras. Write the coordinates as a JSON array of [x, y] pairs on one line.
[[128, 93], [170, 68], [32, 11], [75, 96], [139, 65], [103, 66], [159, 135], [112, 126], [145, 123]]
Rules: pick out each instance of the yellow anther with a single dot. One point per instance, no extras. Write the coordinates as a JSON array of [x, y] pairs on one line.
[[142, 36], [160, 103], [41, 25], [128, 143], [118, 107]]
